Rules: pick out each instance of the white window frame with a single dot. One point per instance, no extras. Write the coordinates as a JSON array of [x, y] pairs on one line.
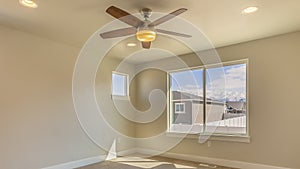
[[214, 136], [179, 112], [127, 85]]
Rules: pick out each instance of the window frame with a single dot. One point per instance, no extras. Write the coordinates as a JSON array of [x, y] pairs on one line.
[[214, 136], [180, 112], [127, 85]]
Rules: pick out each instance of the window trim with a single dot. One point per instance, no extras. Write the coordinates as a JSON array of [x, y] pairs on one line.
[[180, 112], [169, 94], [214, 136], [127, 85]]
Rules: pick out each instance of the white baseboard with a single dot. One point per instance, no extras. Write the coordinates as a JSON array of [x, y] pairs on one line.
[[88, 161], [78, 163], [216, 161]]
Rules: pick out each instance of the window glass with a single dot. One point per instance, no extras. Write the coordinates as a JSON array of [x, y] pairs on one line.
[[226, 99], [186, 100], [119, 84], [179, 108], [222, 109]]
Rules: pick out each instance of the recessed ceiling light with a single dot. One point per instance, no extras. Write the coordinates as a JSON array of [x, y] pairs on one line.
[[250, 9], [28, 3], [131, 44]]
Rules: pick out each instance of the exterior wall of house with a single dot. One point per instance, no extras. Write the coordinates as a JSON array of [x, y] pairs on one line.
[[198, 113], [214, 112], [183, 118]]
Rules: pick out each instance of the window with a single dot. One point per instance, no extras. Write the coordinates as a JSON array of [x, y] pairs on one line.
[[213, 99], [179, 108], [119, 84], [186, 86]]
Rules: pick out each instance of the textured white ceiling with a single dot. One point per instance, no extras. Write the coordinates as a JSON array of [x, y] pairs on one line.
[[73, 22]]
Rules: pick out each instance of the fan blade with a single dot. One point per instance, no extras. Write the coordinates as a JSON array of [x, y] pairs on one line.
[[123, 16], [146, 45], [118, 33], [173, 33], [168, 17]]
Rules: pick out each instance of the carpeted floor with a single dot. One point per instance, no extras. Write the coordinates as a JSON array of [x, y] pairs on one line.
[[138, 162]]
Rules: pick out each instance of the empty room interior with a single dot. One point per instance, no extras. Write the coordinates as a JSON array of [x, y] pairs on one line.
[[139, 84]]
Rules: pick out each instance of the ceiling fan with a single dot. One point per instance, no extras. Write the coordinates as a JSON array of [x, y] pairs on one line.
[[144, 30]]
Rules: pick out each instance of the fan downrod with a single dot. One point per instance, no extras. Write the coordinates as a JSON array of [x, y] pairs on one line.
[[146, 12]]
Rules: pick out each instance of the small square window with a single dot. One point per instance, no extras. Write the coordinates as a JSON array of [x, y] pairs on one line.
[[179, 108], [119, 84]]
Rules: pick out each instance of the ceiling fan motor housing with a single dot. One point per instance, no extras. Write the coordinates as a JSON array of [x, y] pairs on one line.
[[146, 13]]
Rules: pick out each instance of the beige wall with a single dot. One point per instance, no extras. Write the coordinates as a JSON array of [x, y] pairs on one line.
[[274, 95], [38, 125], [108, 106], [145, 82]]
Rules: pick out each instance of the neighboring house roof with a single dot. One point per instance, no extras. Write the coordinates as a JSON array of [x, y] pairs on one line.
[[236, 105], [180, 95]]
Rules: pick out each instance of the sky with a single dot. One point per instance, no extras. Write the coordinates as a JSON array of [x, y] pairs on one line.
[[119, 84], [222, 83]]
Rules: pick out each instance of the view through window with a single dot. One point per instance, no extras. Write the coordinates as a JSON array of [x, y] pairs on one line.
[[119, 84], [214, 100]]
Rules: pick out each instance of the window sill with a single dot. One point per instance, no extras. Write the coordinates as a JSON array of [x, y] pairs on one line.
[[116, 97], [214, 137]]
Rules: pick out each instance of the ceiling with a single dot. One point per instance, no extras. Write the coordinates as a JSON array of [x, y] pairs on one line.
[[73, 22]]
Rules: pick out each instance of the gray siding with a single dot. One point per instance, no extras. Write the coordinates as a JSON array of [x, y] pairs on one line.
[[183, 118]]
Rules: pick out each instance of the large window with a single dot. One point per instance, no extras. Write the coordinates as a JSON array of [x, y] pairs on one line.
[[214, 99], [119, 84]]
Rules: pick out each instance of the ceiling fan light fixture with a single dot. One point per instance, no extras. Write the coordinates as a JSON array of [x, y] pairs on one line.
[[28, 3], [146, 35]]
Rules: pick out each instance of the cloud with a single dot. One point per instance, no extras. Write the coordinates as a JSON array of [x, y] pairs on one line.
[[228, 83]]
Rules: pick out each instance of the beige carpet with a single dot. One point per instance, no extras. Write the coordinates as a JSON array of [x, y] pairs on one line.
[[138, 162]]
